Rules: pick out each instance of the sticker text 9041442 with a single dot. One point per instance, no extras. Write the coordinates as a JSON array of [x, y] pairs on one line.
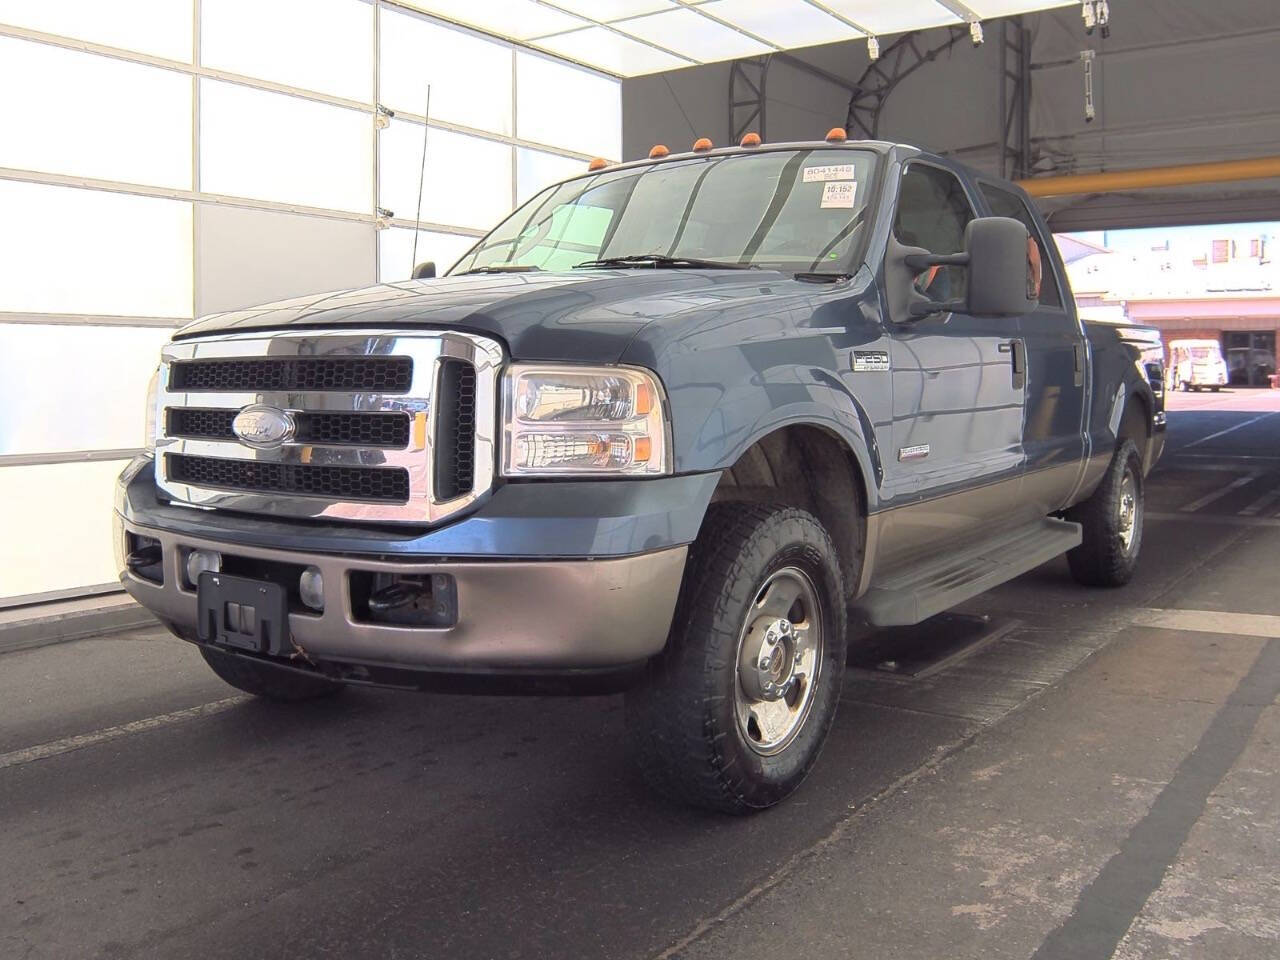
[[834, 171]]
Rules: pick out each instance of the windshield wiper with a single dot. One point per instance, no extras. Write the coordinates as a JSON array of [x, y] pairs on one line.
[[662, 260], [816, 276], [503, 268]]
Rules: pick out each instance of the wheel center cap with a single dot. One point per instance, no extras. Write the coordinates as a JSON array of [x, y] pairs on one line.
[[767, 664]]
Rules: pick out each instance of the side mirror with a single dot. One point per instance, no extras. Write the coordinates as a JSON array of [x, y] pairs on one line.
[[424, 271], [1004, 268], [1004, 272]]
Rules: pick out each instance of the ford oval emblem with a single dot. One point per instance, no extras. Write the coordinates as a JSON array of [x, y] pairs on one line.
[[263, 426]]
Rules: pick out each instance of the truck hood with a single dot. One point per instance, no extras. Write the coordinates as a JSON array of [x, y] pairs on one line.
[[588, 316]]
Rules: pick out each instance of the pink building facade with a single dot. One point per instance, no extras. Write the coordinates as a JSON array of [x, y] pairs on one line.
[[1246, 326]]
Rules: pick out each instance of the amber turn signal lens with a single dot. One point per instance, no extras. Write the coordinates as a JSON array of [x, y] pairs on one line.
[[702, 143], [644, 399], [658, 151], [750, 140], [642, 450], [599, 163], [837, 135]]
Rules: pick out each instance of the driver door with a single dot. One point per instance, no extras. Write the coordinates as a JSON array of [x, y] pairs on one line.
[[956, 457]]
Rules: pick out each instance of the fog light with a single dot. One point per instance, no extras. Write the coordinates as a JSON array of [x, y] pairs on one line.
[[198, 561], [311, 588]]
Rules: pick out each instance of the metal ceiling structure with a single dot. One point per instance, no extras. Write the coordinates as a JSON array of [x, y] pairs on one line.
[[1176, 95], [628, 38]]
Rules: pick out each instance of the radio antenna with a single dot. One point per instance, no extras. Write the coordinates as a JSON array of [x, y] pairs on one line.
[[422, 175]]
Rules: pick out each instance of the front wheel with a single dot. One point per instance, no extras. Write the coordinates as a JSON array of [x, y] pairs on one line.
[[1111, 523], [734, 713]]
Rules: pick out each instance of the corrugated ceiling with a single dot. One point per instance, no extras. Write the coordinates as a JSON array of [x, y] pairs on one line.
[[628, 38]]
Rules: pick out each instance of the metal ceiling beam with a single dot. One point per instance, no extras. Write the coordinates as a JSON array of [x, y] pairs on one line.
[[747, 80], [1015, 99], [900, 59], [1146, 178]]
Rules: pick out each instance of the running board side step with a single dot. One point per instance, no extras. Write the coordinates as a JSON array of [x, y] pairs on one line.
[[933, 586]]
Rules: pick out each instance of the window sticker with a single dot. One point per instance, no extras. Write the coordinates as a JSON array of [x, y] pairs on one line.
[[839, 194], [836, 171]]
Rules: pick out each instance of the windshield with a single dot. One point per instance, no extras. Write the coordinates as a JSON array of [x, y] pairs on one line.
[[798, 210], [1204, 353]]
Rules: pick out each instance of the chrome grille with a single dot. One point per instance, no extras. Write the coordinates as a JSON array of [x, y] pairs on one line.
[[389, 430], [319, 374], [456, 428], [370, 484], [385, 427]]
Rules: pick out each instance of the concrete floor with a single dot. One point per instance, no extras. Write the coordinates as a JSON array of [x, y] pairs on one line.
[[1099, 779]]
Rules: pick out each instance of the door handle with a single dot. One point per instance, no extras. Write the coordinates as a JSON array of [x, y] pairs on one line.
[[1019, 361], [1079, 370]]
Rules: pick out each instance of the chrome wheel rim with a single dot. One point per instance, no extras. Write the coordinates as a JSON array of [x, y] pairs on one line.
[[1127, 512], [779, 661]]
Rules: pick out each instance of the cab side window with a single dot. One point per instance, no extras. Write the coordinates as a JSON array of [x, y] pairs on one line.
[[933, 211], [1005, 204]]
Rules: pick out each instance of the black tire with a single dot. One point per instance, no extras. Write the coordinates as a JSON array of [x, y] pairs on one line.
[[1103, 559], [1215, 389], [683, 722], [266, 680]]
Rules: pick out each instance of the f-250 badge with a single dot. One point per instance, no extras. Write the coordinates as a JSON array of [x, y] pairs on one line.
[[870, 361]]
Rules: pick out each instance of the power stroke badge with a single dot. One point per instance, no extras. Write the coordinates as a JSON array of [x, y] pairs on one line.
[[871, 361]]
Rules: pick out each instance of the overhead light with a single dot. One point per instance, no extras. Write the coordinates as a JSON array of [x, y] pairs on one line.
[[1090, 16], [1087, 58], [873, 48], [975, 32], [1102, 12]]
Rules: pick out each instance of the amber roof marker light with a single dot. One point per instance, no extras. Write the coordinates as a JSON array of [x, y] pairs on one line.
[[701, 144], [750, 140], [658, 151], [599, 163], [837, 135]]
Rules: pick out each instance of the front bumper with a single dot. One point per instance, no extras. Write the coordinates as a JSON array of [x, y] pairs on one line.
[[557, 613], [555, 616]]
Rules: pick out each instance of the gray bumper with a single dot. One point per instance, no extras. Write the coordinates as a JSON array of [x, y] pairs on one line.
[[513, 615]]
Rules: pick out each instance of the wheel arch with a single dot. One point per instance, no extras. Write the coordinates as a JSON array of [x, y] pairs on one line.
[[1137, 423], [809, 466]]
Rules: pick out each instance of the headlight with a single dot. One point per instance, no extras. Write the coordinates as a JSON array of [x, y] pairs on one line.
[[584, 421], [153, 389]]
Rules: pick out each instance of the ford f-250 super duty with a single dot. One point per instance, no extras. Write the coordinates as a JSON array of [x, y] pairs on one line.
[[666, 428]]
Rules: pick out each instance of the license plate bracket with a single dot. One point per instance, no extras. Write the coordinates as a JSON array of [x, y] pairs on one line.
[[241, 613]]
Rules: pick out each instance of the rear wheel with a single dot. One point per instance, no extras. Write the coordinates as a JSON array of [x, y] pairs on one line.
[[1111, 523], [265, 680], [735, 712]]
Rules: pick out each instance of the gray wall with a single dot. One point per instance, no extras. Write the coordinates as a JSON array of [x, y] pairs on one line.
[[678, 107], [1178, 81]]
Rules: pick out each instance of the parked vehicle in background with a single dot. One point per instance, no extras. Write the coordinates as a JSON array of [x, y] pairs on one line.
[[664, 429], [1196, 364]]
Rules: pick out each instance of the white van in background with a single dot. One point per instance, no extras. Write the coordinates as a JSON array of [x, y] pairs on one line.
[[1196, 364]]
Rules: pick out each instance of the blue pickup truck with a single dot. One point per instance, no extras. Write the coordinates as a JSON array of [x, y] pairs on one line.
[[666, 429]]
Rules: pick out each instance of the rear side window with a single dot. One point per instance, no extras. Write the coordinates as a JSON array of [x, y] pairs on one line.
[[1005, 204], [933, 211]]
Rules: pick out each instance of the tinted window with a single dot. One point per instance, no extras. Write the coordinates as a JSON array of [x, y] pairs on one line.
[[790, 209], [1005, 204], [933, 211]]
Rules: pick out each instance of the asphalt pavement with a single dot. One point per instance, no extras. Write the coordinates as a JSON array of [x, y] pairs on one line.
[[1071, 773]]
